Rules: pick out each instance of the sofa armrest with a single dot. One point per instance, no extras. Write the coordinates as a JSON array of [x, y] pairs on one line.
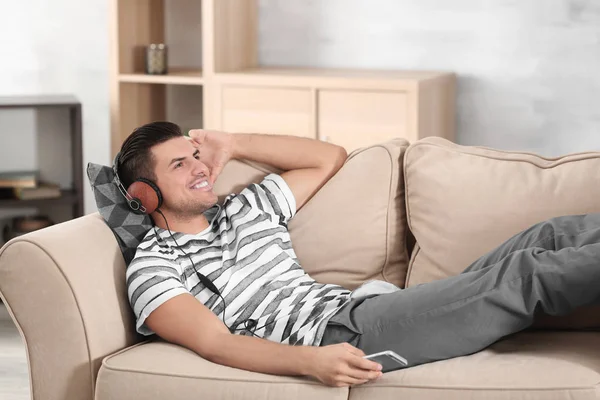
[[64, 287]]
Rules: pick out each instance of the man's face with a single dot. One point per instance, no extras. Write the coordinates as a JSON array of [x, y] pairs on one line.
[[182, 178]]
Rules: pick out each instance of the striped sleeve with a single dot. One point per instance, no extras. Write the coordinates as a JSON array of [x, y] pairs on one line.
[[151, 281], [273, 196]]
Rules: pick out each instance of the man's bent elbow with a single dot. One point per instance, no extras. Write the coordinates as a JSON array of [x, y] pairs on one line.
[[337, 161], [342, 156]]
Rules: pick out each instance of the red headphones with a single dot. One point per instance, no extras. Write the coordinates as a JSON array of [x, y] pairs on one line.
[[143, 196]]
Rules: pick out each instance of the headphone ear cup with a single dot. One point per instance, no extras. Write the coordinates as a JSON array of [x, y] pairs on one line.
[[145, 193]]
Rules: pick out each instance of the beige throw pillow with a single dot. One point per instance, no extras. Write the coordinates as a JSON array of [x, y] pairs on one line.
[[354, 227], [463, 201]]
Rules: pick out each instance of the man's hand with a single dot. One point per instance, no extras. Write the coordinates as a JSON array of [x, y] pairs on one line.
[[216, 149], [343, 365]]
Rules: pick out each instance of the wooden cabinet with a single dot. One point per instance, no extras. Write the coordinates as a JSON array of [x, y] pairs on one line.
[[354, 119], [348, 108], [267, 110]]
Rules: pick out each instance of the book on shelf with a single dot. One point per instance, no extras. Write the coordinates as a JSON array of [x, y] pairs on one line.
[[18, 179], [44, 190]]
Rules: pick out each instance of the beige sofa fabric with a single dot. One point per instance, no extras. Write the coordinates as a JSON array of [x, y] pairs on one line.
[[464, 201], [354, 228], [528, 366], [65, 287], [160, 370]]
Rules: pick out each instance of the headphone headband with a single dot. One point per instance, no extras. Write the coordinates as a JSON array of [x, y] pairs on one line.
[[134, 203], [116, 168]]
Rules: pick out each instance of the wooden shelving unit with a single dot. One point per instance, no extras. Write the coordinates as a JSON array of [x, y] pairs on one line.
[[353, 108], [74, 195]]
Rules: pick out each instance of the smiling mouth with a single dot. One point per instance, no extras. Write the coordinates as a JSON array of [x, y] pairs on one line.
[[202, 185]]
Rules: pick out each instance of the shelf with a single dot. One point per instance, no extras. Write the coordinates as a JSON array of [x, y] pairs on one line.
[[326, 77], [37, 101], [337, 72], [68, 197], [177, 76]]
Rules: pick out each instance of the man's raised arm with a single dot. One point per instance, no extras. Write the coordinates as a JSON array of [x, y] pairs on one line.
[[308, 163]]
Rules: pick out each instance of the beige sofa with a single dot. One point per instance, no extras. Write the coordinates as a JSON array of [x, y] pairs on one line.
[[405, 214]]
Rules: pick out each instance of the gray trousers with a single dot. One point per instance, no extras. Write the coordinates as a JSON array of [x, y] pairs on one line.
[[553, 266]]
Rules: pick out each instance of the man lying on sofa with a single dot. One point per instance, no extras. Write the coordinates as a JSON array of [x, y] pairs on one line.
[[219, 279]]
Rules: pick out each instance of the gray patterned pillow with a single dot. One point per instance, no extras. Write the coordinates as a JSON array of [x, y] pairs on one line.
[[129, 228]]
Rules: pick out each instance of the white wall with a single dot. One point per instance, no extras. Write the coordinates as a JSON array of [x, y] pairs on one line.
[[50, 47], [527, 69]]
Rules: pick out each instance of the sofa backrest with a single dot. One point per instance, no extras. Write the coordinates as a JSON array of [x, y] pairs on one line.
[[463, 201]]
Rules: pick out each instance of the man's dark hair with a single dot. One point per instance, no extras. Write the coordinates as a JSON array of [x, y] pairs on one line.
[[136, 159]]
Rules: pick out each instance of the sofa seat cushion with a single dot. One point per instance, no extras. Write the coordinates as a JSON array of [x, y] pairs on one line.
[[161, 370], [528, 365]]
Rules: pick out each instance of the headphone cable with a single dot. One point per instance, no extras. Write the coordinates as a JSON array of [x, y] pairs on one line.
[[211, 286]]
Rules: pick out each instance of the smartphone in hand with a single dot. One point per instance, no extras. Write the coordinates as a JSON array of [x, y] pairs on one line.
[[388, 359]]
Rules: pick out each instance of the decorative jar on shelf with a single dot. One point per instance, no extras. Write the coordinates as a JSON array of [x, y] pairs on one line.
[[156, 59]]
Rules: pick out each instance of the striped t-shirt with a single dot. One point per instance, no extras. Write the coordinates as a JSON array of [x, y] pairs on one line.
[[246, 251]]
